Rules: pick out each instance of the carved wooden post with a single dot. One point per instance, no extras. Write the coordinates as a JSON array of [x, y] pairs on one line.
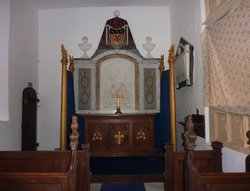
[[248, 156], [74, 134], [189, 135], [171, 60], [217, 147], [189, 142], [64, 62]]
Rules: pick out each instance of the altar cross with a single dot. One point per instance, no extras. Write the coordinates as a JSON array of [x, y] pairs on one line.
[[118, 95]]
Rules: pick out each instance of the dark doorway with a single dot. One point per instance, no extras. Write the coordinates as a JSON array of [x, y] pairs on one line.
[[29, 119]]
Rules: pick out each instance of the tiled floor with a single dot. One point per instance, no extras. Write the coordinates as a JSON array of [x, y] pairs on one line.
[[95, 187], [153, 186]]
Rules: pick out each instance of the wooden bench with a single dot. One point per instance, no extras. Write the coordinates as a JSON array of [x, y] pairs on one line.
[[46, 170], [208, 161], [197, 179]]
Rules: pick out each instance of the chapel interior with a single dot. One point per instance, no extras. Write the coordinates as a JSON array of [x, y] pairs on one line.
[[41, 38]]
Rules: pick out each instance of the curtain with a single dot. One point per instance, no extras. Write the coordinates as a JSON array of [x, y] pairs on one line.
[[226, 57]]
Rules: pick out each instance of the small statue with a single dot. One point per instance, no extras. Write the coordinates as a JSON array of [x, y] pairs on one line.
[[85, 46], [148, 46]]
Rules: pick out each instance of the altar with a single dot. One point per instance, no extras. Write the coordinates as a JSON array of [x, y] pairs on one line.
[[123, 135]]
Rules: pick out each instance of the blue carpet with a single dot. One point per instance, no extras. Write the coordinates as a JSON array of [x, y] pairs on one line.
[[123, 187], [127, 165]]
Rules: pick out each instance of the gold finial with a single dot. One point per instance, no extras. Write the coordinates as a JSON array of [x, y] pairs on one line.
[[171, 58], [71, 64], [161, 67], [64, 59]]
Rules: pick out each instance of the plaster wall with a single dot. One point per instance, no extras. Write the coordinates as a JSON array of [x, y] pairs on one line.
[[22, 66], [4, 55]]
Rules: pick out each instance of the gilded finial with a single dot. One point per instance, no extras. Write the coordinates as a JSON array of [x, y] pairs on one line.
[[161, 67], [171, 58], [71, 64], [64, 59]]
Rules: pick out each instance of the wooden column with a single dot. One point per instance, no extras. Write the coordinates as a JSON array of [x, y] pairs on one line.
[[64, 62], [171, 60]]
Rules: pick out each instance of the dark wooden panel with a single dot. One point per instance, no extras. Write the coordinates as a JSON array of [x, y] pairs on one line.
[[201, 176], [206, 161], [44, 170]]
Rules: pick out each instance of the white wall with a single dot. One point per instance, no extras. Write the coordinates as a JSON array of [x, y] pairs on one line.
[[186, 21], [22, 66], [68, 26], [4, 55]]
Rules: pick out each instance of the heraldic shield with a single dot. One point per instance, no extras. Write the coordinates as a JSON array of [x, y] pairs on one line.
[[117, 36]]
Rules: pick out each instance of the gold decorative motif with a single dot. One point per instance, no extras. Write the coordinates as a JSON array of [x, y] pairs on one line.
[[64, 59], [97, 136], [161, 67], [141, 135], [119, 137]]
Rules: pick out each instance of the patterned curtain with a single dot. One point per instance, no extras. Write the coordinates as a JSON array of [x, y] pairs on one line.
[[226, 57]]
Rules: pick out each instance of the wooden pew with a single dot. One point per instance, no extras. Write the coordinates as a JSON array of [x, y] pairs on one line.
[[198, 180], [208, 161], [46, 170]]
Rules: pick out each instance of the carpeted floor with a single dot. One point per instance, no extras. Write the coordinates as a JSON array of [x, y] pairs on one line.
[[122, 187], [154, 186]]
